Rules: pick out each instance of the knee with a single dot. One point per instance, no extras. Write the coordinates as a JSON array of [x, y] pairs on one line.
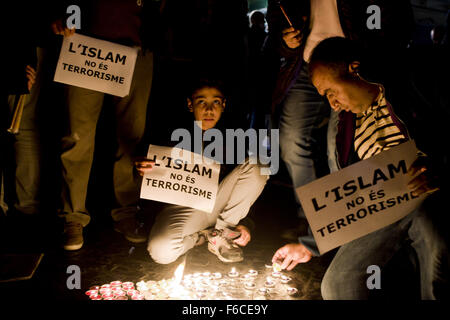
[[162, 250], [256, 173], [329, 288]]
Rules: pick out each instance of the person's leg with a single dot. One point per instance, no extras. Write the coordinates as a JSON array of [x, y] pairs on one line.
[[346, 277], [303, 111], [426, 232], [175, 231], [131, 112], [27, 147], [237, 193], [83, 110]]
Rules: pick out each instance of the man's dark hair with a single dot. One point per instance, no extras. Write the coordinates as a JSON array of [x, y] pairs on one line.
[[206, 83], [336, 53]]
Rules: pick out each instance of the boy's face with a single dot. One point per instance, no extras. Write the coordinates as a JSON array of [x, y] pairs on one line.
[[343, 94], [207, 104]]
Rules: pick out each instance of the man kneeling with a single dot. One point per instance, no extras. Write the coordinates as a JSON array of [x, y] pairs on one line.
[[368, 126]]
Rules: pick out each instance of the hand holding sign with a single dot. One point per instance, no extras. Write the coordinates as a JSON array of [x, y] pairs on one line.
[[143, 165], [426, 181]]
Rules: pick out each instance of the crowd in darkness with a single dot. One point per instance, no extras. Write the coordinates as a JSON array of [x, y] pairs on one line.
[[181, 41]]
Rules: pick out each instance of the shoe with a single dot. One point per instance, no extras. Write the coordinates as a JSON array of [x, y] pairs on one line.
[[131, 229], [73, 236], [202, 237], [220, 243]]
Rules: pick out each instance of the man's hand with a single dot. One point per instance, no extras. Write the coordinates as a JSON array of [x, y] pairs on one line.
[[31, 76], [290, 255], [426, 180], [59, 29], [245, 237], [143, 165], [292, 37]]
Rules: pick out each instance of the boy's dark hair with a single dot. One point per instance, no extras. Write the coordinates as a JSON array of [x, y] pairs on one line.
[[206, 83], [336, 53]]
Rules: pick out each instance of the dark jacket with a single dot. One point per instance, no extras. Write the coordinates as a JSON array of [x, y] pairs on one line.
[[129, 22], [397, 22]]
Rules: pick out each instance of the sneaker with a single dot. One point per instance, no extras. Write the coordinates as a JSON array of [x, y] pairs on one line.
[[73, 236], [131, 229], [202, 237], [220, 242]]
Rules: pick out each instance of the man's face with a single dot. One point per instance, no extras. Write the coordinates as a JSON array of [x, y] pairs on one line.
[[342, 94], [207, 104]]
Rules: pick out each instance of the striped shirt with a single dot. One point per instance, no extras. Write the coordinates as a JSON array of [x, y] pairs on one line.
[[375, 131]]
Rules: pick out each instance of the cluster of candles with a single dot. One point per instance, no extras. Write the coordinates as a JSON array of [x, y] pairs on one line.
[[115, 290], [206, 285]]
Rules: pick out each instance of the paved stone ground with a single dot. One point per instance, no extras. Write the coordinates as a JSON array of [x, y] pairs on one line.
[[107, 256]]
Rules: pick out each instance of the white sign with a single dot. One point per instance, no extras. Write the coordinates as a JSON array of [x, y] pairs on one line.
[[96, 64], [361, 198], [181, 180]]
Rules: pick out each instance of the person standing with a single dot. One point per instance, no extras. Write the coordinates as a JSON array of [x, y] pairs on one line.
[[129, 23]]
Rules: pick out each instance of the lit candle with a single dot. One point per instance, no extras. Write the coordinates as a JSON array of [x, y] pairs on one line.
[[291, 291], [250, 285], [262, 290], [285, 279], [276, 274], [91, 292], [269, 283], [253, 273], [138, 297], [201, 292], [233, 273]]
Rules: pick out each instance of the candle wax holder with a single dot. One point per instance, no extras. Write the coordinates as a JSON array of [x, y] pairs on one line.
[[291, 291], [276, 274], [269, 283], [253, 273], [250, 285], [233, 274]]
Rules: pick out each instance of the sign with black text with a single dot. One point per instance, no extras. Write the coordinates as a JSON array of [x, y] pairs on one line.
[[361, 198], [96, 64], [181, 180]]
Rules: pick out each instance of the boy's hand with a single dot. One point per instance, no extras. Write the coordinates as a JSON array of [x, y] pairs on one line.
[[292, 37], [290, 255], [245, 237], [426, 180], [31, 76], [59, 29], [143, 165]]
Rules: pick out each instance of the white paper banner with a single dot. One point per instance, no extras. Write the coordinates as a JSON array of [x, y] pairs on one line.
[[361, 198], [182, 180], [96, 64]]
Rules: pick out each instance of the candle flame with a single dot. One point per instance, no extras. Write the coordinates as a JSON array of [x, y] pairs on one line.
[[178, 275], [233, 270]]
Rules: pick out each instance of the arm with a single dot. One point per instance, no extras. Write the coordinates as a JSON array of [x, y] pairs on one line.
[[288, 40]]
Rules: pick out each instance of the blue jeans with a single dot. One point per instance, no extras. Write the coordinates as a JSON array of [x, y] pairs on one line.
[[304, 111], [347, 275]]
